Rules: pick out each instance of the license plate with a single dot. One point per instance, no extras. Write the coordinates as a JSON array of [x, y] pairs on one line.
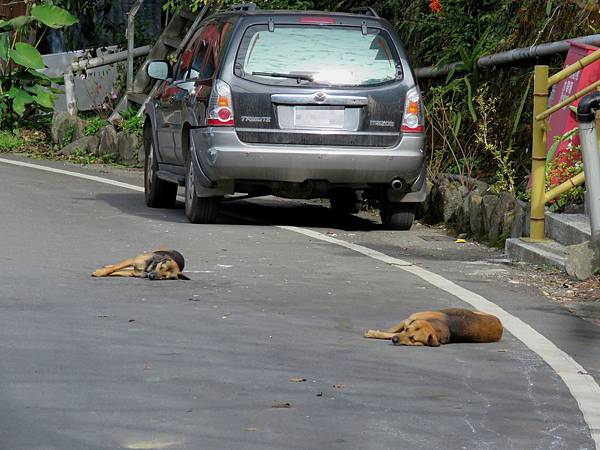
[[319, 117]]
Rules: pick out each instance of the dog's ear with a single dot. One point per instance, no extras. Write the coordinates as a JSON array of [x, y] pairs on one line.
[[181, 276], [432, 340]]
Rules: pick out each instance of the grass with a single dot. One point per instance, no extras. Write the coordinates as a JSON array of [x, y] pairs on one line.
[[81, 156], [10, 141], [33, 140], [94, 125]]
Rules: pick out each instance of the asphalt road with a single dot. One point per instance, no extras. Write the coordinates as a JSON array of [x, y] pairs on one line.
[[112, 363]]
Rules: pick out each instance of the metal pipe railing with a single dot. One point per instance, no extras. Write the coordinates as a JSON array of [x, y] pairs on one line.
[[111, 58], [84, 64], [509, 56], [586, 117]]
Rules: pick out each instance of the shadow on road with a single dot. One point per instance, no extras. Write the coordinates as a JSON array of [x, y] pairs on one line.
[[256, 211], [296, 213]]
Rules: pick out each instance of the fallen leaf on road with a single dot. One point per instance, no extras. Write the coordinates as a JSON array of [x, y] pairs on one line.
[[460, 241], [339, 386], [131, 320], [281, 405], [297, 379]]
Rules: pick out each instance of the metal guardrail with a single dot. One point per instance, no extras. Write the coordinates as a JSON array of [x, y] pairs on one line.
[[541, 85], [508, 56], [99, 61]]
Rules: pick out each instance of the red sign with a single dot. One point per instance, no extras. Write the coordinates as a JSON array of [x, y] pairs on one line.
[[564, 119]]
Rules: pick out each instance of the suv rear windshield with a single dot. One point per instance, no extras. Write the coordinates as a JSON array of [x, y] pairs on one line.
[[324, 55]]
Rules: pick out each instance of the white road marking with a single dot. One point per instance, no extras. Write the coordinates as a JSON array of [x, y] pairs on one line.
[[73, 174], [583, 387]]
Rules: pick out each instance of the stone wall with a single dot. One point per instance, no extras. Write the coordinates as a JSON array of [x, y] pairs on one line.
[[68, 135], [469, 206]]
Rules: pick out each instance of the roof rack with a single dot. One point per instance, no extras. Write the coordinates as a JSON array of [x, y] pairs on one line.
[[364, 10], [243, 7]]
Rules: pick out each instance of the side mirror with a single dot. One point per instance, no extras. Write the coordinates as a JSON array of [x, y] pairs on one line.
[[159, 70]]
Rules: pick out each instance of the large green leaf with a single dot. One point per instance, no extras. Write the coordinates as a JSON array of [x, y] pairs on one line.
[[53, 16], [4, 45], [20, 100], [470, 99], [42, 97], [26, 55], [15, 23]]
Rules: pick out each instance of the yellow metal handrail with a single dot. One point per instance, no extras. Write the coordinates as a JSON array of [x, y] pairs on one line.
[[541, 84]]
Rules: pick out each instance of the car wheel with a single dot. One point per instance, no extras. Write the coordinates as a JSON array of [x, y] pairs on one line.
[[159, 193], [344, 202], [198, 209], [398, 216]]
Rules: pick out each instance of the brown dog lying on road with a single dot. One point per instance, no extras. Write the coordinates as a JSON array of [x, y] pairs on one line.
[[433, 328], [156, 265]]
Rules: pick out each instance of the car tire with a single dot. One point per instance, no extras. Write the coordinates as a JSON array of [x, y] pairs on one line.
[[198, 209], [398, 216], [159, 193], [344, 202]]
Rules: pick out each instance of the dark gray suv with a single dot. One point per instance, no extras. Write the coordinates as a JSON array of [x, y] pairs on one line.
[[291, 103]]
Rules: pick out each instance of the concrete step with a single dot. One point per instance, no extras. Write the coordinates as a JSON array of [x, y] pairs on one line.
[[545, 253], [568, 229]]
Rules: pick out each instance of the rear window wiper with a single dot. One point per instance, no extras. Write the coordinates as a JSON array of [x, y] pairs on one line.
[[296, 77]]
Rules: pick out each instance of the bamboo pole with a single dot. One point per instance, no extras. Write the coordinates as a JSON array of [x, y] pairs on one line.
[[568, 100], [571, 183], [570, 70], [538, 154]]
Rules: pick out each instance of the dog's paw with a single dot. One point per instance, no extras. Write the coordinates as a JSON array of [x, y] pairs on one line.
[[98, 273], [370, 333]]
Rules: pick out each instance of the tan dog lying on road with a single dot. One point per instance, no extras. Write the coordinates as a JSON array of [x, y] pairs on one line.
[[433, 328], [156, 265]]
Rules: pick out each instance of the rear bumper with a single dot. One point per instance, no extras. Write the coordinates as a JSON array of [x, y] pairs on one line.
[[222, 156]]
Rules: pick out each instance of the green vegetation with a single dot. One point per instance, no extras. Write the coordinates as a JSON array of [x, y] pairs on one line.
[[94, 124], [479, 120], [130, 122], [81, 156], [23, 88], [10, 141]]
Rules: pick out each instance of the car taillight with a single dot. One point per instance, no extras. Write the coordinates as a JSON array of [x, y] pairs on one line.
[[220, 106], [412, 120]]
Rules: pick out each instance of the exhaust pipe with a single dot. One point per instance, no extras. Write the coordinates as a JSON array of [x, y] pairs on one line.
[[396, 184]]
